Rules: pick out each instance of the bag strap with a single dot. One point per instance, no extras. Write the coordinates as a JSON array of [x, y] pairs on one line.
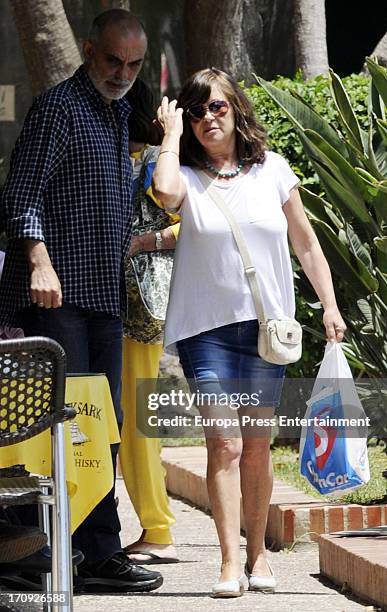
[[240, 242]]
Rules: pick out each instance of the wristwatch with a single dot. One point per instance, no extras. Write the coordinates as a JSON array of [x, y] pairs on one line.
[[159, 241]]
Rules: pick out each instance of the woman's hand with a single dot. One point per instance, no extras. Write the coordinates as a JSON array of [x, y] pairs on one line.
[[136, 245], [147, 242], [170, 118], [144, 242], [167, 182], [334, 324]]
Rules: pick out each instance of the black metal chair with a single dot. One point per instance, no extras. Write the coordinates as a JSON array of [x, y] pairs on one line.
[[32, 388]]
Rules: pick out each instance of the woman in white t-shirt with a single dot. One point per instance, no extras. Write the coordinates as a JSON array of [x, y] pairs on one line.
[[211, 319]]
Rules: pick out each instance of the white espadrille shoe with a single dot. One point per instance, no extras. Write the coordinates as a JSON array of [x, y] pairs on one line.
[[228, 588], [264, 584]]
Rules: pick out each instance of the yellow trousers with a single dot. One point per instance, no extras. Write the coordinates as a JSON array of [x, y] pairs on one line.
[[140, 460]]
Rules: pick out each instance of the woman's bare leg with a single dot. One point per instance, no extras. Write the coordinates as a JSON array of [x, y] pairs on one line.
[[223, 483], [256, 485]]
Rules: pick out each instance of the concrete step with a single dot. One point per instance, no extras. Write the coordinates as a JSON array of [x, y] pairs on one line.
[[356, 564], [293, 515]]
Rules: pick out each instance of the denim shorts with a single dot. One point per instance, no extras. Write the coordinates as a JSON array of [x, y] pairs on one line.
[[225, 360]]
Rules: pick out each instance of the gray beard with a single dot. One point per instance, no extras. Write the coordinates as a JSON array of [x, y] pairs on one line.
[[102, 88]]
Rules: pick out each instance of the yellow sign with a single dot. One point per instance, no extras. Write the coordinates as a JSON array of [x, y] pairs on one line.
[[89, 470], [92, 432]]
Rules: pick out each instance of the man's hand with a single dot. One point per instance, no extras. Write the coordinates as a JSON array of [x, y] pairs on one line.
[[45, 288]]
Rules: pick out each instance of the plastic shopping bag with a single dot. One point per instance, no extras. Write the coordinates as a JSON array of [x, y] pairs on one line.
[[333, 445]]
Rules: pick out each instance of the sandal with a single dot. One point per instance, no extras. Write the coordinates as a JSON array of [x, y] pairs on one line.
[[154, 558]]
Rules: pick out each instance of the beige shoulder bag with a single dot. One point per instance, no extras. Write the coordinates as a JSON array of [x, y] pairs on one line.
[[279, 340]]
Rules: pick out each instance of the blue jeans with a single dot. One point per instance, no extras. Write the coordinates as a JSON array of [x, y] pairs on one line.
[[93, 343], [224, 360]]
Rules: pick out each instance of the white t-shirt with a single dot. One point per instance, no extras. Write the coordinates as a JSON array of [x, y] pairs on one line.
[[209, 287]]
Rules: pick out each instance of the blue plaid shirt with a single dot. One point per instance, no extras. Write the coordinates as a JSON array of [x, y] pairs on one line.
[[69, 185]]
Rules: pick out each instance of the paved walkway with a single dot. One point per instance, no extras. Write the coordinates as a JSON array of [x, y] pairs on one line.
[[186, 584]]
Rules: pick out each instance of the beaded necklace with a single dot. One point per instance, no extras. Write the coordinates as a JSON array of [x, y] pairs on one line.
[[220, 173]]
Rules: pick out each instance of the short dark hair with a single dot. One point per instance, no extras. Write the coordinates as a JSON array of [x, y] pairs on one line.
[[141, 126], [124, 20], [250, 135]]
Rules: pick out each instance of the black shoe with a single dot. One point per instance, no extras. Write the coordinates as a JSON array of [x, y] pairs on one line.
[[22, 581], [39, 562], [18, 541], [118, 574]]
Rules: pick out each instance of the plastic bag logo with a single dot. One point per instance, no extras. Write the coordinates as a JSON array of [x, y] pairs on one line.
[[324, 437], [331, 480], [333, 457]]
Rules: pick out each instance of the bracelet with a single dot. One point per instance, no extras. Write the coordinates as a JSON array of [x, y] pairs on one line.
[[169, 151]]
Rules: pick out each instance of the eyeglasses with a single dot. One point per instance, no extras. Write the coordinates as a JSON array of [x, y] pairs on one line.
[[217, 108]]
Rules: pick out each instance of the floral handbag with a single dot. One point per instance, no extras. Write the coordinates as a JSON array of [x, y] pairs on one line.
[[147, 274]]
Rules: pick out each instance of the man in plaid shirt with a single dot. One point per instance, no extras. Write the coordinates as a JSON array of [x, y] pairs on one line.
[[67, 209]]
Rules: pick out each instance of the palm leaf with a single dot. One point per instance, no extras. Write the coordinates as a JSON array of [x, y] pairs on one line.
[[342, 197], [379, 78], [381, 245], [339, 166], [301, 114], [358, 247], [382, 127], [315, 204], [367, 313], [382, 280], [369, 181], [379, 204], [359, 279], [346, 114], [375, 102]]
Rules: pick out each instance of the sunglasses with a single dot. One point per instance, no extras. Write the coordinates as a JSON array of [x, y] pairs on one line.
[[217, 108]]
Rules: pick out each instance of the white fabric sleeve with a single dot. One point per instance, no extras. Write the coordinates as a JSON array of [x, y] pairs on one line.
[[285, 177]]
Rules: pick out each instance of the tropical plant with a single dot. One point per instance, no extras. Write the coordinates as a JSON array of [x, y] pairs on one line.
[[350, 215], [282, 136], [284, 140]]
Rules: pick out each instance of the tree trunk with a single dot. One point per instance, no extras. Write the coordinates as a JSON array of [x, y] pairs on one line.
[[214, 36], [122, 4], [268, 36], [380, 51], [310, 42], [49, 48]]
